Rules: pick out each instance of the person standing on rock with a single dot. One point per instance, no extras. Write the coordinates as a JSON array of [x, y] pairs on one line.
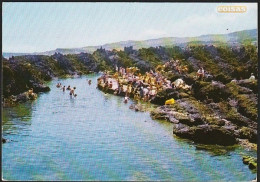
[[252, 77], [126, 97], [141, 92], [30, 91], [200, 73]]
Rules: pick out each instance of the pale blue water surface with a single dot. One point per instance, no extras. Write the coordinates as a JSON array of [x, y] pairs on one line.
[[97, 137]]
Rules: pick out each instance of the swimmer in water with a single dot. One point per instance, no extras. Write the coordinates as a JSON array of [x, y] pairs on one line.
[[68, 88], [89, 82], [72, 91], [125, 99], [58, 85], [63, 88]]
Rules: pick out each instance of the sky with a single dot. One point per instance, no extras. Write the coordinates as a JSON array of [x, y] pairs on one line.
[[36, 27]]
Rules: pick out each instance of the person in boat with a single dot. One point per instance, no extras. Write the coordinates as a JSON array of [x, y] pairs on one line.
[[72, 91], [68, 88]]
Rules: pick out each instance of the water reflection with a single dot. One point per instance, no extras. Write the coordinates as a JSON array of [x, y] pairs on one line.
[[17, 118]]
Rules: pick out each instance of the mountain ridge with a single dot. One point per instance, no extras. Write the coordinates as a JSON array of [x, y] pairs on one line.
[[233, 38]]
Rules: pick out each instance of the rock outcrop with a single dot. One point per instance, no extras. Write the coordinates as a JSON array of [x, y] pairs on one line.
[[206, 134], [250, 161]]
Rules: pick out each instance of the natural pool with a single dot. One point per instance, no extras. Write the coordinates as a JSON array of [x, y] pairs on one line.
[[97, 137]]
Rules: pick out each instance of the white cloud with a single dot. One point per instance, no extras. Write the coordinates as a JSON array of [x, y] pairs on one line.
[[215, 23]]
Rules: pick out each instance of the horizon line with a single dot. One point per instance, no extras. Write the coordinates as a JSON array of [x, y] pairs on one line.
[[125, 41]]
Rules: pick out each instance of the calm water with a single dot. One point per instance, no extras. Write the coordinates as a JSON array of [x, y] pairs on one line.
[[97, 137]]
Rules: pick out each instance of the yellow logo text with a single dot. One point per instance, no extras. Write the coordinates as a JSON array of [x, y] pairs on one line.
[[232, 9]]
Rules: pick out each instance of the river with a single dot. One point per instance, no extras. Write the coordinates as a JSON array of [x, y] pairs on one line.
[[97, 137]]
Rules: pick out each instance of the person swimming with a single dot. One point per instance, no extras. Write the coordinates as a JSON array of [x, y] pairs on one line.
[[126, 99], [58, 85], [68, 88], [63, 88], [72, 91], [89, 82]]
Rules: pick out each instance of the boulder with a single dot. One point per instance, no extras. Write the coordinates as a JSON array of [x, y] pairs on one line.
[[189, 119], [23, 97], [248, 133], [214, 90], [223, 78], [40, 88], [205, 134], [160, 98], [159, 115], [3, 140], [250, 161], [249, 84], [162, 113]]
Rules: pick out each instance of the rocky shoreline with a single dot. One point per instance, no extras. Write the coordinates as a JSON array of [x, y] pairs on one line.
[[220, 109], [32, 72], [201, 122], [210, 113]]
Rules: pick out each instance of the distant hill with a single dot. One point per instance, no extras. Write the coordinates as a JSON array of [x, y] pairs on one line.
[[234, 38]]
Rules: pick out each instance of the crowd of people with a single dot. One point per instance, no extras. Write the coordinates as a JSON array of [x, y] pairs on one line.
[[129, 82], [69, 88], [133, 84]]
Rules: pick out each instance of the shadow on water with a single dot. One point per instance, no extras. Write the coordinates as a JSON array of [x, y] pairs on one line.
[[216, 150], [213, 150], [17, 118]]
